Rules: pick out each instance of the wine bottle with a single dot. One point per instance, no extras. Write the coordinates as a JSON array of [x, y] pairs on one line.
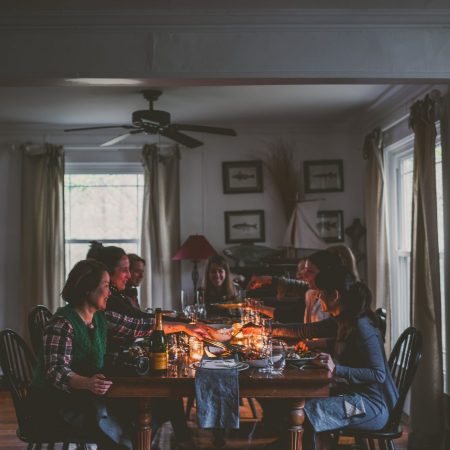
[[158, 345]]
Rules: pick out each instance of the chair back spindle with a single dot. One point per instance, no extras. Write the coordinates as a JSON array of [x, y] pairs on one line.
[[37, 320]]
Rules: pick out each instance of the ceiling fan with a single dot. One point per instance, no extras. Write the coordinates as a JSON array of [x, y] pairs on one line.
[[153, 121]]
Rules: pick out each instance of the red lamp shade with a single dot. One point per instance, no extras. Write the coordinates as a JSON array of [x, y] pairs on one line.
[[196, 247]]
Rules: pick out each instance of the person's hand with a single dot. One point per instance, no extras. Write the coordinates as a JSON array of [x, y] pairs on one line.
[[98, 384], [325, 360], [195, 330], [257, 282], [221, 335], [301, 347]]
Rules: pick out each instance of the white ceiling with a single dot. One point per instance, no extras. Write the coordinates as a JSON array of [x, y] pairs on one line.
[[72, 106]]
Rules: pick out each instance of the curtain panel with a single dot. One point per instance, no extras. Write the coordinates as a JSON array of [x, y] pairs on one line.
[[376, 226], [445, 143], [427, 391], [42, 228], [161, 226]]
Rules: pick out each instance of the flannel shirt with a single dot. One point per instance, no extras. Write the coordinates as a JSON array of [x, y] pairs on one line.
[[58, 339]]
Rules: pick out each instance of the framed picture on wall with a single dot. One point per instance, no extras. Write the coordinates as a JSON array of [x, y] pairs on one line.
[[324, 176], [244, 226], [242, 177], [330, 225]]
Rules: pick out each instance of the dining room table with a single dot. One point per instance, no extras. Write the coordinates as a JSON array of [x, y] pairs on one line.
[[294, 384]]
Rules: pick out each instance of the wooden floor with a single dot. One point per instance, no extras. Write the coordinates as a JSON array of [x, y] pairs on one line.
[[239, 439]]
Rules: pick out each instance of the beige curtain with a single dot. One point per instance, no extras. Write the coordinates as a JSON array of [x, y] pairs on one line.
[[427, 391], [445, 143], [376, 226], [161, 226], [42, 229]]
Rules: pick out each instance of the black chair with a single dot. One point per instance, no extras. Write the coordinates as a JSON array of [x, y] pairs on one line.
[[382, 318], [37, 319], [403, 363], [18, 362]]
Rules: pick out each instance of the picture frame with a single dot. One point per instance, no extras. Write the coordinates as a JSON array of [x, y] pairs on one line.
[[330, 225], [324, 176], [244, 226], [241, 177]]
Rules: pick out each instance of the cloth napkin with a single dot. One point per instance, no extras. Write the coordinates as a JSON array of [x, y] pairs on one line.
[[217, 394]]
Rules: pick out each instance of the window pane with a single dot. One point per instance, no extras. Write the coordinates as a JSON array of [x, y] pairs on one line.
[[102, 207]]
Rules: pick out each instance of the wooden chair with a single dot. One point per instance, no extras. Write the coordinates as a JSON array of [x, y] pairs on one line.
[[18, 362], [37, 319], [382, 321], [403, 363]]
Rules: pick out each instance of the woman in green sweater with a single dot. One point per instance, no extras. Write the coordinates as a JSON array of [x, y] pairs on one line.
[[68, 378]]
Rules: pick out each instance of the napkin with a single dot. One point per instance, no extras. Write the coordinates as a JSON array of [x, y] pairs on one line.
[[217, 394], [218, 364]]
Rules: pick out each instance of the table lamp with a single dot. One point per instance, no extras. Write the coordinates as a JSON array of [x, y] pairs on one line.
[[196, 247]]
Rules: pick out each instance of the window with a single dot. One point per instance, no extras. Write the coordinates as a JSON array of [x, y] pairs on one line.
[[106, 207], [399, 179], [399, 162]]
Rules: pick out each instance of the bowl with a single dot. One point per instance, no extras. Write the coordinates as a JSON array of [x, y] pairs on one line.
[[261, 362]]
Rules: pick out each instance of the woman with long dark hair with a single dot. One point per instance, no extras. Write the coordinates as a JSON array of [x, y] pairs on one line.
[[370, 393], [218, 284]]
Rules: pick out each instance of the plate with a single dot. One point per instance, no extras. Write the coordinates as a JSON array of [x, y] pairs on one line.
[[301, 358], [239, 366]]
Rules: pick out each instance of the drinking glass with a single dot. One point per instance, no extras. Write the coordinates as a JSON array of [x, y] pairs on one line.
[[266, 353], [278, 356]]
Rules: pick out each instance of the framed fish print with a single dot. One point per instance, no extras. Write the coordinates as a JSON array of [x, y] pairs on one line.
[[242, 177], [324, 176], [244, 226], [330, 225]]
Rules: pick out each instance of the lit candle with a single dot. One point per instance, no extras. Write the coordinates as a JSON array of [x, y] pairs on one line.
[[195, 349]]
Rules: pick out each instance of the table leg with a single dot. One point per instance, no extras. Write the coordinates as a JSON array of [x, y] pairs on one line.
[[144, 435], [296, 429]]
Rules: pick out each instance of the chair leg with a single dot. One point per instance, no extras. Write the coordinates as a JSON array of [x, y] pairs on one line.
[[66, 445], [371, 443], [251, 403], [382, 444], [50, 446], [30, 446]]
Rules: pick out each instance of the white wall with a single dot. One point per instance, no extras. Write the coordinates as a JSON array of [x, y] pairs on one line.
[[203, 202]]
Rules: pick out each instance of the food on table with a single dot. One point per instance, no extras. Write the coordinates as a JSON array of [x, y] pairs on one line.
[[301, 354]]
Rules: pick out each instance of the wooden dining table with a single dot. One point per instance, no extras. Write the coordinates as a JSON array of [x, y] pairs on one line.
[[294, 385]]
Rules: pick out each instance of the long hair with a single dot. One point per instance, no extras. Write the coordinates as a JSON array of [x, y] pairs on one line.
[[110, 256], [347, 258], [227, 289], [354, 296], [83, 278], [323, 260]]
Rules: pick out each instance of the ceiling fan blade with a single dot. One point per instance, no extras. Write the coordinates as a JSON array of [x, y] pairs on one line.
[[182, 138], [119, 138], [126, 127], [205, 129]]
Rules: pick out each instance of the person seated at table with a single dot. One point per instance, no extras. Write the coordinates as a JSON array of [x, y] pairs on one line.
[[218, 285], [137, 269], [68, 378], [346, 257], [303, 286], [368, 395]]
